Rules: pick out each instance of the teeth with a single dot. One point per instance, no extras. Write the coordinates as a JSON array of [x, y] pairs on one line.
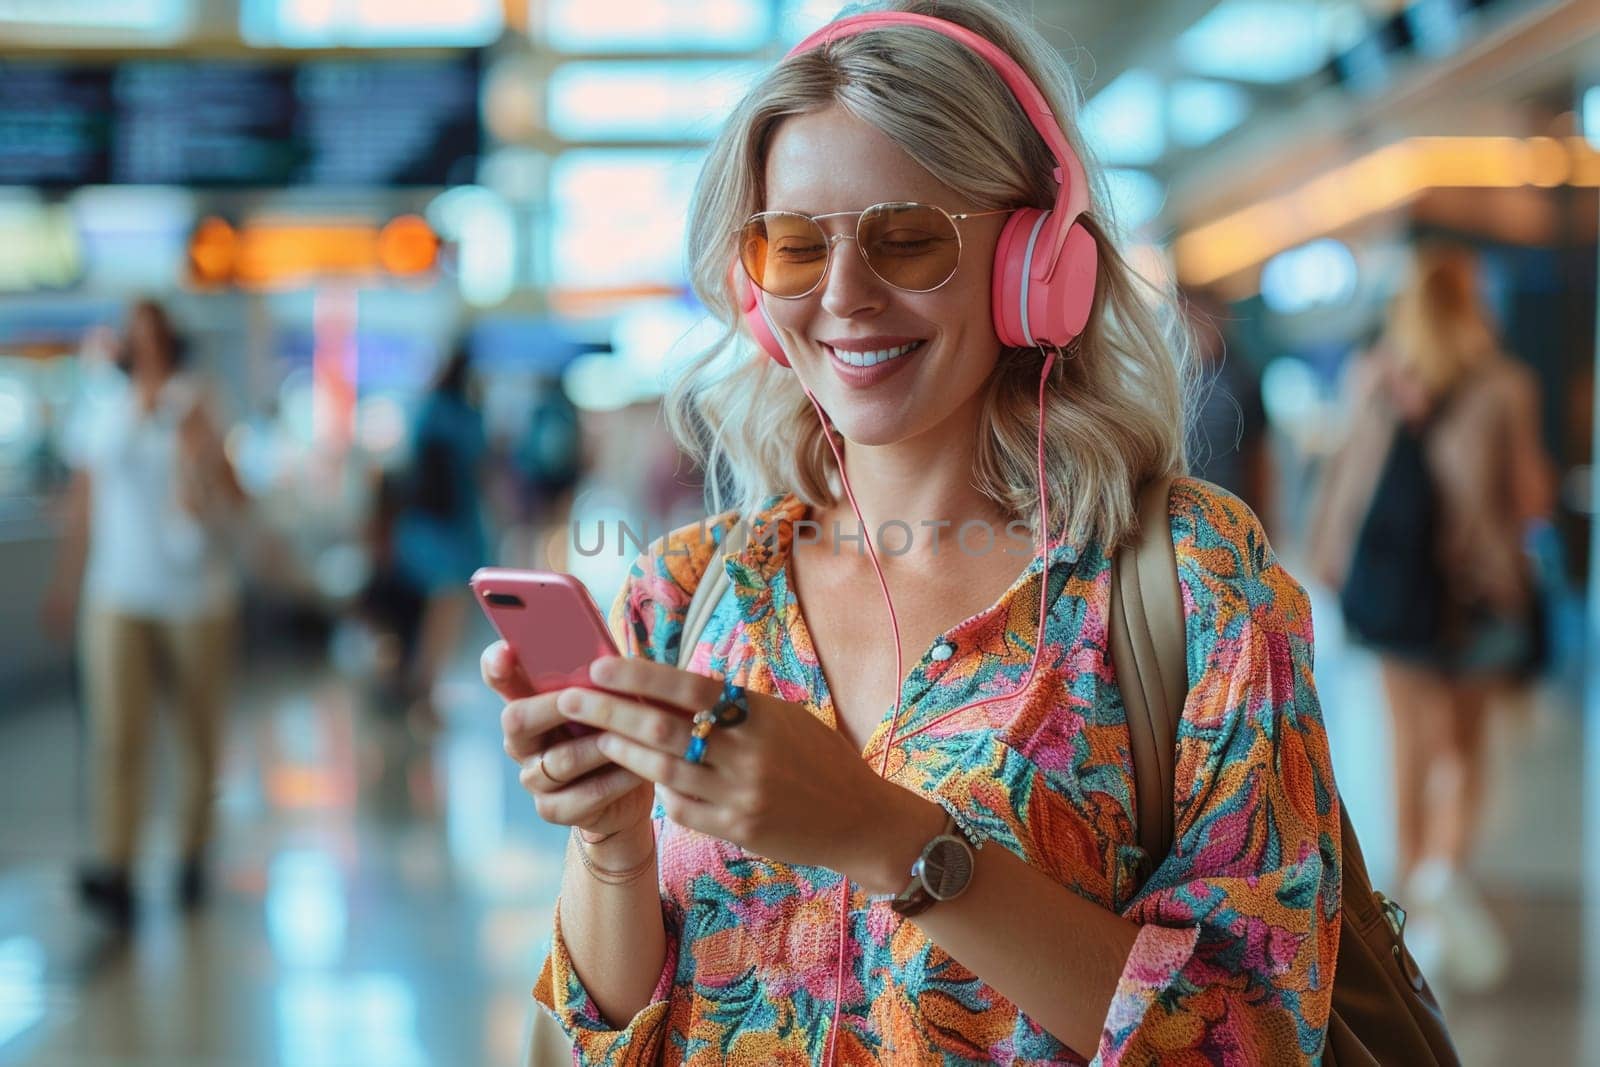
[[872, 359]]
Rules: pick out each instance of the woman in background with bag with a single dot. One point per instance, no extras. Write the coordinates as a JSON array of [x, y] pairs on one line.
[[1421, 528]]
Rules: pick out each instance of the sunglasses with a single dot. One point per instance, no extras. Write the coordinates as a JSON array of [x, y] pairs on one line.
[[913, 247]]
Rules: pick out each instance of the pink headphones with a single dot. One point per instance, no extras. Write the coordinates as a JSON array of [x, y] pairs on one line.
[[1045, 263]]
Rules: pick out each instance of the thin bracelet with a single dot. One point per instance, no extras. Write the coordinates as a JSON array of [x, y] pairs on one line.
[[975, 835], [610, 877]]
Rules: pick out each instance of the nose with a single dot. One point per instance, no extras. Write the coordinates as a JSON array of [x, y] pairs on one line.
[[850, 288]]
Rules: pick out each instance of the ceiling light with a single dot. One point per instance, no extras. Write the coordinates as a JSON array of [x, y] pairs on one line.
[[1136, 196], [1198, 111], [1124, 123], [1255, 41]]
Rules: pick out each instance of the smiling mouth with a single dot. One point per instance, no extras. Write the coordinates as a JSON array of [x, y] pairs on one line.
[[872, 359]]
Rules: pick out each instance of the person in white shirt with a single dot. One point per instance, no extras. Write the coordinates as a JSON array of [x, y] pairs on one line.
[[144, 545]]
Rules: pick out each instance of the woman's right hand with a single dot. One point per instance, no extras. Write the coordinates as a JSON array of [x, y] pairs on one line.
[[571, 782]]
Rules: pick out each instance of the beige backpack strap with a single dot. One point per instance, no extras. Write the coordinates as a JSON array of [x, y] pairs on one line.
[[713, 582], [1148, 654]]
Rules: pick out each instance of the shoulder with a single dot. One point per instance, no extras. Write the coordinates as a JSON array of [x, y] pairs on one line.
[[1227, 569], [194, 399], [655, 595], [1363, 374], [676, 561], [1501, 387], [99, 421], [185, 394], [1513, 379]]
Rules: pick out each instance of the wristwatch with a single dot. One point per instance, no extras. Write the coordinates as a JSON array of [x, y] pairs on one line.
[[942, 872]]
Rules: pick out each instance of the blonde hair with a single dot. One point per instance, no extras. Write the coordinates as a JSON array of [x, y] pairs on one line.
[[1438, 330], [1115, 406]]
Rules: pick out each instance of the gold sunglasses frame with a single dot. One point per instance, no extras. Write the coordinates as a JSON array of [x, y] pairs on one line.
[[833, 239]]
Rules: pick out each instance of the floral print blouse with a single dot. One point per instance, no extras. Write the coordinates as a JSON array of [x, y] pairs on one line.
[[1239, 924]]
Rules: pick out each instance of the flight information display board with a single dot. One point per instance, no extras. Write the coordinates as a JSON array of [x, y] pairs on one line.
[[354, 122], [55, 124], [202, 124]]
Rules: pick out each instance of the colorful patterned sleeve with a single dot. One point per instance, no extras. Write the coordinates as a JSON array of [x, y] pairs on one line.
[[594, 1039], [1234, 964], [645, 619]]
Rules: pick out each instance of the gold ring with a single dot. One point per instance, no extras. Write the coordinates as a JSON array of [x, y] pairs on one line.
[[558, 782]]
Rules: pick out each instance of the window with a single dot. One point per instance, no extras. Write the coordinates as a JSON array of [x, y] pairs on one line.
[[658, 25], [119, 22], [380, 23], [644, 100], [617, 217], [1258, 41]]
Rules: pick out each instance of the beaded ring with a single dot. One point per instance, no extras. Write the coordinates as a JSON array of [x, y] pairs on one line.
[[731, 709]]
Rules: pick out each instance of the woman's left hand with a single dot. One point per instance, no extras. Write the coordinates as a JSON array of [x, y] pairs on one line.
[[780, 784]]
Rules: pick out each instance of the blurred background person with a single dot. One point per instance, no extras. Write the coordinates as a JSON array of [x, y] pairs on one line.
[[147, 510], [544, 465], [1228, 439], [1421, 528], [391, 604], [439, 537]]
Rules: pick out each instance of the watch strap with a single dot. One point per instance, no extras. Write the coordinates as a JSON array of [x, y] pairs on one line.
[[915, 899]]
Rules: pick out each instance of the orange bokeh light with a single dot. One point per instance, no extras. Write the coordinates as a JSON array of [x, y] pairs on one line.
[[407, 245], [277, 253], [212, 251]]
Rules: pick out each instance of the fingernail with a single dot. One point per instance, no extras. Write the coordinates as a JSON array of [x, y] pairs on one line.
[[602, 670], [570, 703]]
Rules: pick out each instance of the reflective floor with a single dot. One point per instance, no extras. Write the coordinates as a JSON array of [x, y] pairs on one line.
[[384, 892]]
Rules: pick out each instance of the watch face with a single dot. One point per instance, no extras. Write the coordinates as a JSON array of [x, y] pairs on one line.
[[946, 868]]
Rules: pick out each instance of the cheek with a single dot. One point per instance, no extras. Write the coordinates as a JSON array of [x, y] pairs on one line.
[[789, 316], [966, 309], [972, 285]]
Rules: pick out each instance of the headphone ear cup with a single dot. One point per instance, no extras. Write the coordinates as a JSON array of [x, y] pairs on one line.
[[755, 318], [1076, 279], [1010, 269], [1028, 312]]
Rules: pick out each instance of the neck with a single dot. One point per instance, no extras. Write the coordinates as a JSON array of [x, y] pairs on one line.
[[920, 483], [148, 387]]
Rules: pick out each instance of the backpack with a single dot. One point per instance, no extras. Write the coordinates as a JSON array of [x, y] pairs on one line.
[[548, 457], [1383, 1011], [433, 480], [1393, 596]]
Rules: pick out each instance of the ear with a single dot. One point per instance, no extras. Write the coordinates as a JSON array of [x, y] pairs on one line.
[[753, 309]]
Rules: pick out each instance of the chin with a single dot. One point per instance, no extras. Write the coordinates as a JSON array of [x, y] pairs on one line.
[[871, 429]]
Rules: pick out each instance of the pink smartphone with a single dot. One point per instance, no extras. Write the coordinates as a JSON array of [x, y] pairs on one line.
[[551, 623]]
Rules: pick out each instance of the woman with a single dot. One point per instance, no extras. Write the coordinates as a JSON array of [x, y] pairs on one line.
[[1421, 524], [766, 910], [160, 600]]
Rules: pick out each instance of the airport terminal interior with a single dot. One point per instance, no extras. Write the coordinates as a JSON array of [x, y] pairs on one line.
[[357, 223]]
